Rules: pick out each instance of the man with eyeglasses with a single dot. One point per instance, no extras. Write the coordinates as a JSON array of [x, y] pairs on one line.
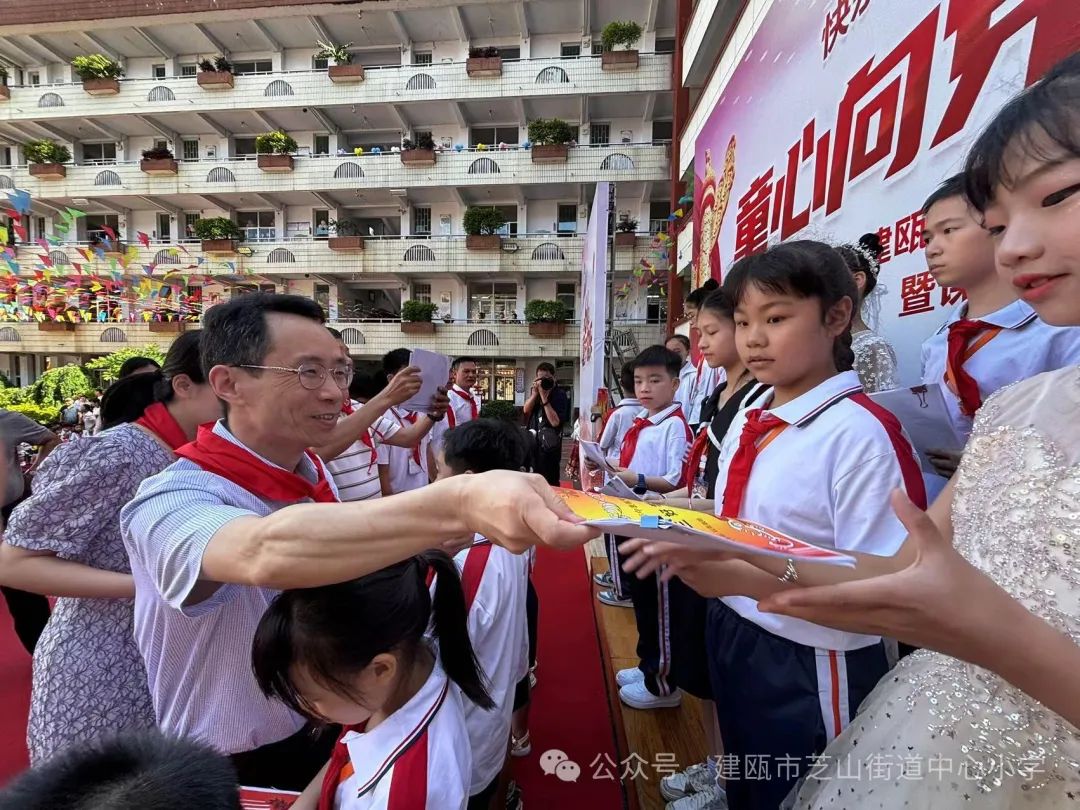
[[249, 510]]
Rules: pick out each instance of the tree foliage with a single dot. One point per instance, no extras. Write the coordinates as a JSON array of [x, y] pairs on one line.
[[109, 365]]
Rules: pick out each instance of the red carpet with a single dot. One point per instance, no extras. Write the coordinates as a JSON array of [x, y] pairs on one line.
[[570, 704], [14, 697]]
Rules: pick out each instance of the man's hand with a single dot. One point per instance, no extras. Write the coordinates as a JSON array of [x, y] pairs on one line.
[[944, 462], [402, 386], [517, 511], [440, 403]]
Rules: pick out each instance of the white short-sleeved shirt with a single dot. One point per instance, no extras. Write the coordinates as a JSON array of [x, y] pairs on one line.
[[418, 758], [499, 634], [464, 406], [705, 381], [406, 473], [356, 471], [618, 422], [198, 657], [1023, 348], [826, 479], [662, 448], [687, 383]]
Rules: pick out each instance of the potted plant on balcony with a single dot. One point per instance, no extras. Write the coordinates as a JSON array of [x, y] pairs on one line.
[[216, 74], [418, 153], [274, 150], [100, 75], [550, 139], [46, 158], [483, 62], [341, 70], [158, 161], [416, 318], [5, 93], [482, 224], [626, 232], [347, 235], [615, 34], [546, 319], [218, 234]]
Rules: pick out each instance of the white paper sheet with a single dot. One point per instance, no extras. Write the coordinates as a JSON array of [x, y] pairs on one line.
[[617, 488], [595, 454], [922, 412], [434, 371]]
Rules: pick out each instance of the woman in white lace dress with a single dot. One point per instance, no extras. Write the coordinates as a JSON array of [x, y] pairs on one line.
[[875, 359]]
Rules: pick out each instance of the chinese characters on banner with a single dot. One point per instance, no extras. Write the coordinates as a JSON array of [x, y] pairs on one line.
[[853, 143]]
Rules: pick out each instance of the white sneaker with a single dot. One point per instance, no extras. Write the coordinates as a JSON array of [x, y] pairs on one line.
[[694, 779], [625, 677], [712, 799], [605, 579], [609, 598], [637, 696]]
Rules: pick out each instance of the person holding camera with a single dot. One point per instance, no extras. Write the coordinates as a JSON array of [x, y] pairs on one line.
[[546, 410]]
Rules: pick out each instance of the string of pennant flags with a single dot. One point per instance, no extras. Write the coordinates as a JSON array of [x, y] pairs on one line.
[[653, 269]]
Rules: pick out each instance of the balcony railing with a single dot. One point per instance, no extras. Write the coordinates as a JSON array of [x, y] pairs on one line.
[[363, 338], [394, 84], [492, 167], [545, 254]]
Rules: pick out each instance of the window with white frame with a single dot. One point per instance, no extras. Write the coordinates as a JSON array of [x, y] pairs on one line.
[[566, 294], [492, 136], [253, 66], [190, 149], [157, 71], [422, 293], [99, 152], [189, 70], [257, 226], [421, 57]]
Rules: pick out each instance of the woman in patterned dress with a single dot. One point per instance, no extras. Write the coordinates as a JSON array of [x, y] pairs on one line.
[[64, 540], [875, 359]]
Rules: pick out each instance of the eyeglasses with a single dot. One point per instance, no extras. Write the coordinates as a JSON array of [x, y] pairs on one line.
[[313, 375]]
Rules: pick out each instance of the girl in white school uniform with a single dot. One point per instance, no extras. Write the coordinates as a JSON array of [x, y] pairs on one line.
[[818, 461], [355, 654]]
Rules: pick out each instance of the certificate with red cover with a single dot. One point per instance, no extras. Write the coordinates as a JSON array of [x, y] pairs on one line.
[[655, 521], [266, 798]]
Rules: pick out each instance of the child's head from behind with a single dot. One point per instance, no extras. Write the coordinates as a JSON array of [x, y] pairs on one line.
[[340, 653], [793, 306], [656, 377], [959, 253], [695, 299], [1023, 176], [626, 379], [481, 445], [864, 262], [716, 327]]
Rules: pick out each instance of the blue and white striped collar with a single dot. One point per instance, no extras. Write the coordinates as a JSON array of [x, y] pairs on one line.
[[1016, 315]]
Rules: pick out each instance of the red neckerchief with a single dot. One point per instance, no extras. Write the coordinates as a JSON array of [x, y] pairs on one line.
[[347, 409], [758, 424], [238, 464], [693, 460], [629, 444], [965, 338], [339, 768], [162, 424], [410, 417], [473, 411]]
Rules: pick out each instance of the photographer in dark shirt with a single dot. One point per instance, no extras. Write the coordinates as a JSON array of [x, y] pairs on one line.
[[546, 411]]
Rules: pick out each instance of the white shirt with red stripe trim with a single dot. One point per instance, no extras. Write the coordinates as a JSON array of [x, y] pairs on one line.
[[499, 634], [355, 472], [461, 411], [826, 479], [406, 474], [1024, 347], [619, 421], [662, 448], [416, 759]]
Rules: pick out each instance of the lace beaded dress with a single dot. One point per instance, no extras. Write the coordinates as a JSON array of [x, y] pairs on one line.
[[875, 361], [940, 733]]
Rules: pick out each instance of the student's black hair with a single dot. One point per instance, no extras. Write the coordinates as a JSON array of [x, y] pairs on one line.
[[336, 333], [545, 366], [394, 361], [1041, 122], [127, 398], [626, 379], [459, 360], [324, 630], [365, 386], [950, 187], [696, 298], [864, 257], [137, 770], [719, 303], [236, 333], [659, 357], [683, 339], [134, 364], [480, 445], [804, 269]]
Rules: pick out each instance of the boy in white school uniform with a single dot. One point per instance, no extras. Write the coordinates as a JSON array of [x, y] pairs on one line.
[[495, 584], [680, 344], [651, 460], [993, 339], [408, 468], [616, 423]]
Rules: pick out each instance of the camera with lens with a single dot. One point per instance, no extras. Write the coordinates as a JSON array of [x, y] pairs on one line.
[[547, 383]]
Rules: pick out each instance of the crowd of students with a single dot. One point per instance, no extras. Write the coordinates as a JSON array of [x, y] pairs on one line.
[[243, 584]]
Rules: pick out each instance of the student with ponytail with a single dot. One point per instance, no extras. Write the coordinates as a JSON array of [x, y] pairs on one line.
[[875, 359], [356, 654], [64, 540]]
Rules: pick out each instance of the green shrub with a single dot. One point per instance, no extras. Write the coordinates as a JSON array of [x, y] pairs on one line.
[[338, 54], [498, 409], [545, 131], [46, 151], [625, 33], [277, 143], [42, 414], [482, 220], [109, 365], [628, 225], [14, 396], [418, 311], [96, 66], [5, 381], [57, 385], [158, 153], [216, 228], [541, 311]]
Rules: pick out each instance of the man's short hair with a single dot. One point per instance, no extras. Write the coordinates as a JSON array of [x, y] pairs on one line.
[[659, 357], [683, 339], [336, 333], [545, 366], [460, 360], [480, 445], [365, 386], [134, 771], [950, 187], [394, 361], [236, 333]]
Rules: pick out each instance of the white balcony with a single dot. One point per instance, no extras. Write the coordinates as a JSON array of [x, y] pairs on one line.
[[396, 84], [533, 254], [464, 169]]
